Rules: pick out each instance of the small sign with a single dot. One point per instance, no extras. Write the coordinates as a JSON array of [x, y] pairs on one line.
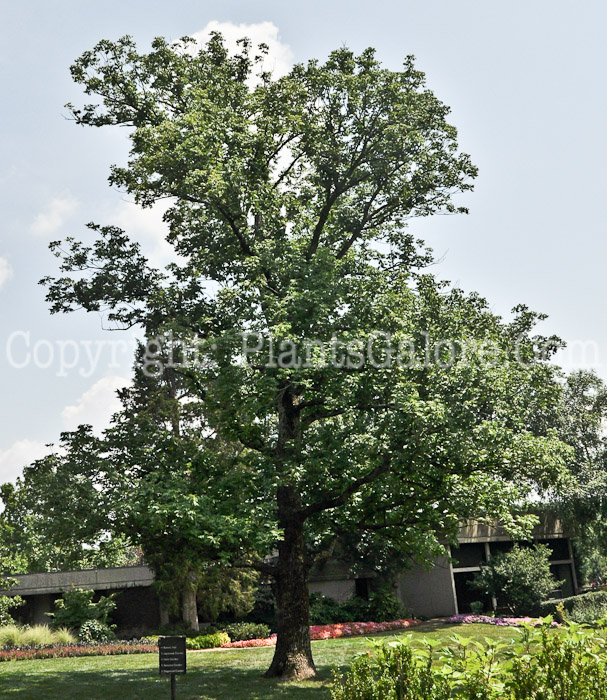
[[171, 652]]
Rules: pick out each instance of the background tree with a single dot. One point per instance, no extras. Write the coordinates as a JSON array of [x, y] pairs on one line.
[[288, 205], [519, 579], [142, 487], [37, 531], [582, 502]]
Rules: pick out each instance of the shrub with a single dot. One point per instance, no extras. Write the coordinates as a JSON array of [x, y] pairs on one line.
[[584, 608], [75, 607], [394, 672], [95, 632], [567, 667], [588, 609], [545, 665], [8, 603], [326, 611], [242, 631], [382, 606], [179, 629], [477, 607], [208, 641], [520, 579]]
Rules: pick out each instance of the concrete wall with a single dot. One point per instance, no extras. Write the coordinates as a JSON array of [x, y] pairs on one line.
[[473, 531], [33, 612], [96, 579], [338, 590], [428, 593]]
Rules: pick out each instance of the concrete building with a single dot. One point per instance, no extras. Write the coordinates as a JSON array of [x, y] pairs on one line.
[[444, 591], [137, 606], [438, 592]]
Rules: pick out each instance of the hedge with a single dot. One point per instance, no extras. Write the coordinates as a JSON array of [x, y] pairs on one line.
[[586, 607]]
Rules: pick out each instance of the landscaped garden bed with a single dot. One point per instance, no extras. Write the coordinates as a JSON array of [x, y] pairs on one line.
[[208, 641], [334, 631], [57, 651], [470, 619], [235, 674]]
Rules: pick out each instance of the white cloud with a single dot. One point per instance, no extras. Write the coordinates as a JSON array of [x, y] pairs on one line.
[[6, 271], [54, 216], [280, 57], [96, 406], [20, 454]]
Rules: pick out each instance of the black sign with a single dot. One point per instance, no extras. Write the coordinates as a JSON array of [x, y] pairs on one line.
[[171, 655]]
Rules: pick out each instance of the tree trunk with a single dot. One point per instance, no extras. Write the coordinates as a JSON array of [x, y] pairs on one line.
[[189, 607], [293, 654]]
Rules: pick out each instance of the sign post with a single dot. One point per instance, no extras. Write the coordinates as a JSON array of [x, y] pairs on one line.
[[171, 659]]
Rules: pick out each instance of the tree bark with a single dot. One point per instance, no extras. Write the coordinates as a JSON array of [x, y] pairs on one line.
[[189, 607], [293, 653]]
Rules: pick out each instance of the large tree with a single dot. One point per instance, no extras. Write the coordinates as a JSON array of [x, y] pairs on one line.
[[368, 399]]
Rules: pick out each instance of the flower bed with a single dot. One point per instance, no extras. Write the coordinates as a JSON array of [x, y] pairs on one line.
[[341, 629], [267, 642], [499, 621], [70, 650]]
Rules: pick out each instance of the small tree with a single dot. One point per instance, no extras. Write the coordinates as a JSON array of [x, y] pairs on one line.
[[76, 607], [519, 579]]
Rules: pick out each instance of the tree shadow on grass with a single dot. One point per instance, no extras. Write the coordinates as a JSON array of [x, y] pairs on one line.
[[199, 684]]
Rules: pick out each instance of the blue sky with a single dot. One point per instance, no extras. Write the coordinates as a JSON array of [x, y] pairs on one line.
[[526, 84]]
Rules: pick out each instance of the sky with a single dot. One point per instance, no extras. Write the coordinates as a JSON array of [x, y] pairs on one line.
[[525, 80]]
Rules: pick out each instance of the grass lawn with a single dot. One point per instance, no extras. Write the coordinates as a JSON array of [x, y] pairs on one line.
[[231, 674]]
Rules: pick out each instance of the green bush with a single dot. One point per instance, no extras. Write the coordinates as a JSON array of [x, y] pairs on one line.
[[584, 608], [543, 664], [519, 579], [8, 603], [394, 673], [588, 609], [477, 607], [75, 607], [95, 632], [207, 641], [382, 606], [179, 629], [326, 611], [241, 631]]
